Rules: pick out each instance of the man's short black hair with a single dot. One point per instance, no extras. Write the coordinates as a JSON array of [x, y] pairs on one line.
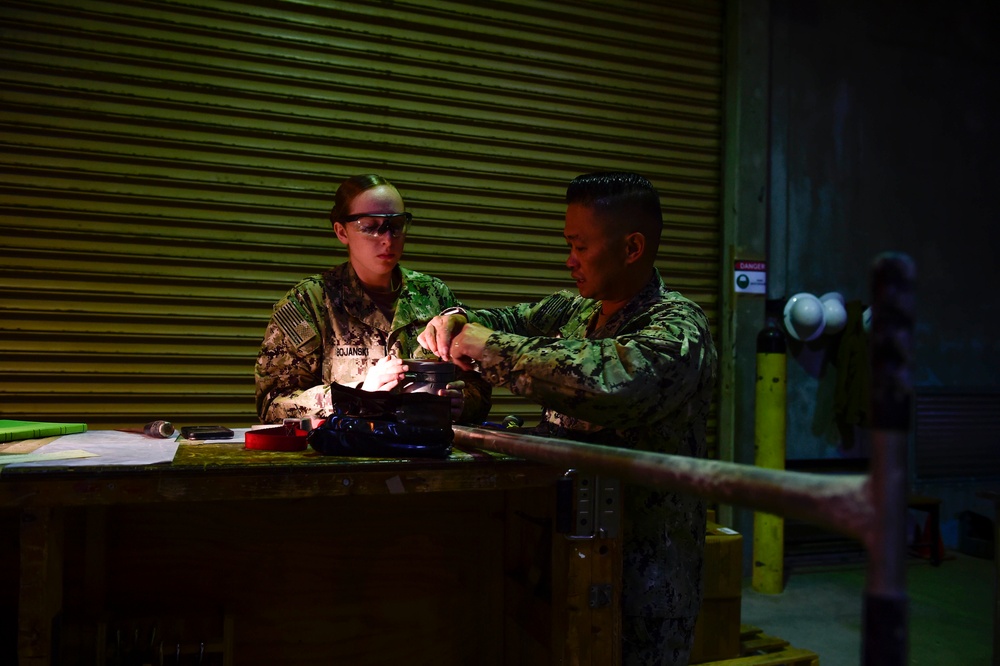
[[623, 195]]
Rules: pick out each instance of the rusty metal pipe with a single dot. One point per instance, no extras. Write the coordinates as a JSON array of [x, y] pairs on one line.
[[840, 503], [886, 605]]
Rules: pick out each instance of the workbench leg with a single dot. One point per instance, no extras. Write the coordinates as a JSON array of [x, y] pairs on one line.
[[95, 577], [41, 584], [586, 601]]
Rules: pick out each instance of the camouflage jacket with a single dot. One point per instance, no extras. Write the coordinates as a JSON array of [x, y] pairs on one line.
[[327, 329], [645, 380]]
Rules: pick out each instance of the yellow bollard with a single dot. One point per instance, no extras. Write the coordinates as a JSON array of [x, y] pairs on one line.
[[769, 452]]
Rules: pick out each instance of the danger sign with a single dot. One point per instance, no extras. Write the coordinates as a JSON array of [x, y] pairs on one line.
[[750, 277]]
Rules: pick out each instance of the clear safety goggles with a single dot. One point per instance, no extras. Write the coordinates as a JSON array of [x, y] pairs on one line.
[[376, 224]]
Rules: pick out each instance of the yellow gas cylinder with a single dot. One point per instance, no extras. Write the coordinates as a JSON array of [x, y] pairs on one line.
[[769, 452]]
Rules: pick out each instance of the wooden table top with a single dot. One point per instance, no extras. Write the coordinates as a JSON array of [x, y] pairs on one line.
[[222, 471]]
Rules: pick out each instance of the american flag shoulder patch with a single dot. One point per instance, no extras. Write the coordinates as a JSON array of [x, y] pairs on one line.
[[289, 319]]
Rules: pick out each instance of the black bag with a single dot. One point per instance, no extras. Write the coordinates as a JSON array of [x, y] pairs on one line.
[[384, 425]]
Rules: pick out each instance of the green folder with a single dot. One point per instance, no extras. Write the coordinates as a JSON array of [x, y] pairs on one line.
[[14, 430]]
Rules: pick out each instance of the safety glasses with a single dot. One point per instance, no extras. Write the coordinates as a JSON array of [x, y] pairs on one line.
[[376, 224]]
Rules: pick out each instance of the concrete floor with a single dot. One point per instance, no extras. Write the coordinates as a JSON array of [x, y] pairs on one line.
[[950, 611]]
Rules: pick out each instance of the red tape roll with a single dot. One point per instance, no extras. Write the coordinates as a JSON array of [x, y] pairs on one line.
[[276, 439]]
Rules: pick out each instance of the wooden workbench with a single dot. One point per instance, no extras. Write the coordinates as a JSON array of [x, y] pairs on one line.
[[250, 557]]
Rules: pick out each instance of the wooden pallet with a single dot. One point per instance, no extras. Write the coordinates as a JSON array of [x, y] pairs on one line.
[[759, 649]]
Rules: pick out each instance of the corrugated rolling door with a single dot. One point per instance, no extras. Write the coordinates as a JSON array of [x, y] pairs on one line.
[[168, 168]]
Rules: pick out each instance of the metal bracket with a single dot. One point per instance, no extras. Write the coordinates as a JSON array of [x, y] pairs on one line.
[[593, 510], [600, 595]]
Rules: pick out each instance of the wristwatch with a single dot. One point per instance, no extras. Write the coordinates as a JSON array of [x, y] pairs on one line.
[[454, 310]]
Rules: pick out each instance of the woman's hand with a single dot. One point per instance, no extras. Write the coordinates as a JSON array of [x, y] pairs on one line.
[[385, 374], [453, 390]]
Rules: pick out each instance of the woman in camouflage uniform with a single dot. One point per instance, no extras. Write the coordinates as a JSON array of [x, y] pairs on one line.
[[357, 322]]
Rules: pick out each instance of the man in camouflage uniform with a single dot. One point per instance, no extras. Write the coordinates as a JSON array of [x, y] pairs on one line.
[[627, 363]]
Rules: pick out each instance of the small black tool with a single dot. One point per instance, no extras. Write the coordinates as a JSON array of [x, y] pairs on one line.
[[206, 432], [509, 422]]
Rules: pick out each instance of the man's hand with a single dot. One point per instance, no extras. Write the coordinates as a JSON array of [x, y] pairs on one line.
[[437, 335], [468, 346], [385, 374]]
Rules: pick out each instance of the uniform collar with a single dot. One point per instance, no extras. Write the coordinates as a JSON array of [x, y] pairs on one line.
[[355, 300], [651, 291]]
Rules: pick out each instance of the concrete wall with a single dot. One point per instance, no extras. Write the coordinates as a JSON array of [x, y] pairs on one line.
[[884, 137]]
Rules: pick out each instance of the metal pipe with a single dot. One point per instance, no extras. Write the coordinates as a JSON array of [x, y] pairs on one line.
[[840, 503], [886, 605]]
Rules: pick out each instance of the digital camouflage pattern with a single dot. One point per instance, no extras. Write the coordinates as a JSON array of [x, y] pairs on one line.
[[645, 380], [327, 329]]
